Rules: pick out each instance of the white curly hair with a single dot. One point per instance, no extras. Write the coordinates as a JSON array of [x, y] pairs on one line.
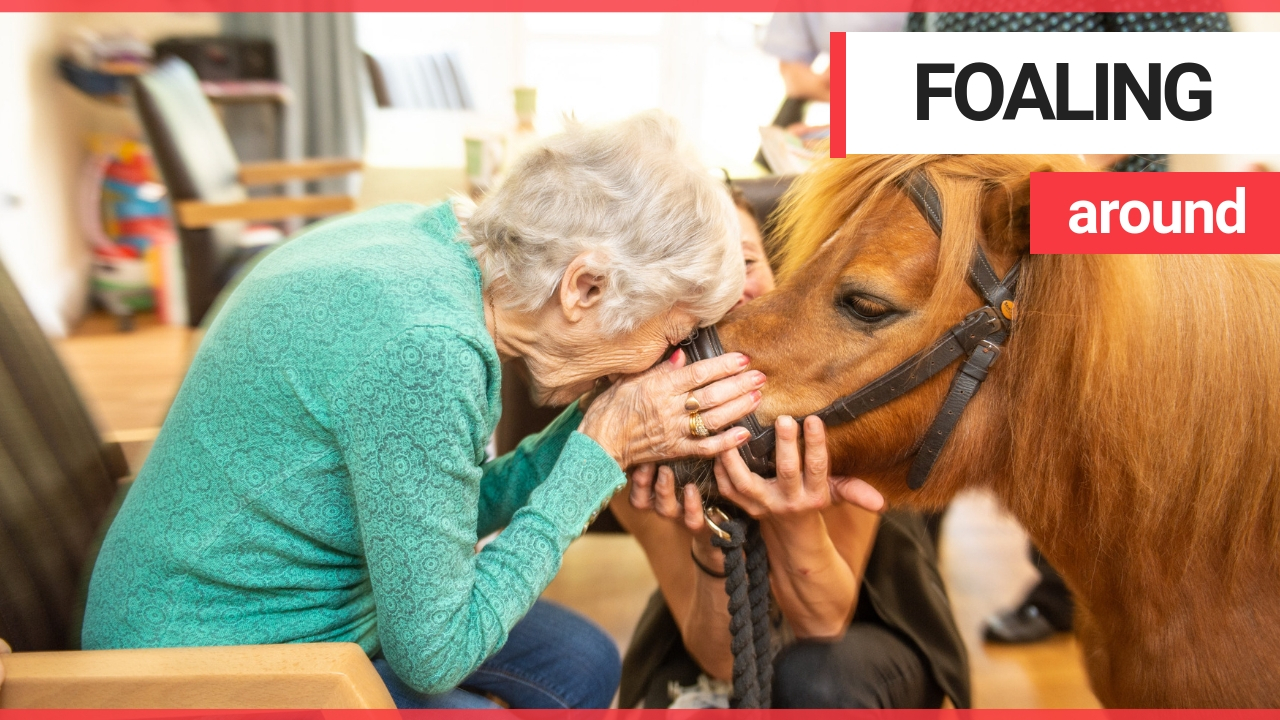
[[654, 223]]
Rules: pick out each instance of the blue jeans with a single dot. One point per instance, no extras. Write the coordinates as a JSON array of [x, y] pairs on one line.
[[554, 658]]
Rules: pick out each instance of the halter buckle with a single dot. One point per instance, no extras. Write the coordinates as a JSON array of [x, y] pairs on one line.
[[988, 313], [977, 327], [716, 522], [990, 352]]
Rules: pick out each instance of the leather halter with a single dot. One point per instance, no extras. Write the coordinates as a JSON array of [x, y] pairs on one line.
[[978, 338]]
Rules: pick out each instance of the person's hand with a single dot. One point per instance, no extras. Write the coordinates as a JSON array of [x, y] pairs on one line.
[[803, 83], [653, 488], [642, 418], [801, 487]]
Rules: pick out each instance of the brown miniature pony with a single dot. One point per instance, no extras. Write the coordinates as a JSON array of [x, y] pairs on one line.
[[1132, 424]]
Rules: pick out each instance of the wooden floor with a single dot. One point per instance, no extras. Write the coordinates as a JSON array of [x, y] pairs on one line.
[[128, 379]]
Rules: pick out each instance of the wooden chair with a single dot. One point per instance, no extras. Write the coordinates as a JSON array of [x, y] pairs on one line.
[[59, 487], [207, 183], [319, 675]]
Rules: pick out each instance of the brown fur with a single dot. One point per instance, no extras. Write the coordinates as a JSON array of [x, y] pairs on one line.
[[1132, 425]]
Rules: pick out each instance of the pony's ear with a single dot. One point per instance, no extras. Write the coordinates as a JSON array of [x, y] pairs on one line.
[[1006, 215]]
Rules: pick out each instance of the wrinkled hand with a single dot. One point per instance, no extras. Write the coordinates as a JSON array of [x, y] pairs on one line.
[[642, 419], [801, 487], [654, 488]]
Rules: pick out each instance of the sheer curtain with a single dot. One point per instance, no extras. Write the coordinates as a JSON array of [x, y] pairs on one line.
[[317, 57]]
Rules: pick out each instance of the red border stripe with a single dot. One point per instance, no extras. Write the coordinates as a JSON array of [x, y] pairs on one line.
[[838, 107], [943, 714], [641, 5]]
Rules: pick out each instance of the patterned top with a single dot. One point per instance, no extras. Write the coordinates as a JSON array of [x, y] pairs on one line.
[[1069, 22], [1141, 163], [321, 475]]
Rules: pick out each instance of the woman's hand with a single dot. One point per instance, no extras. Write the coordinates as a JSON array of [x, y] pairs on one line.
[[816, 584], [802, 487], [655, 489], [670, 531], [642, 418]]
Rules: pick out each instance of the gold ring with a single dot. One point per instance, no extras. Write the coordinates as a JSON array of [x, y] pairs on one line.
[[691, 404], [697, 427]]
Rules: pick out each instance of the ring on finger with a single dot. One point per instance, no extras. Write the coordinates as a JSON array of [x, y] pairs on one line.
[[697, 427], [691, 404]]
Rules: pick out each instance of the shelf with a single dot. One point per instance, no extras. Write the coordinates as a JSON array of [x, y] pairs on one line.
[[109, 88]]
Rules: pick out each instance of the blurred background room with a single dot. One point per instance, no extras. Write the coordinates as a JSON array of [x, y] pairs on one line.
[[146, 158]]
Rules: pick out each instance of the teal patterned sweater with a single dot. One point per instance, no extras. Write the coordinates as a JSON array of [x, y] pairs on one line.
[[321, 475]]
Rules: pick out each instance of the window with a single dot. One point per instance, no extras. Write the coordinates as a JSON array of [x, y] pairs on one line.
[[705, 69]]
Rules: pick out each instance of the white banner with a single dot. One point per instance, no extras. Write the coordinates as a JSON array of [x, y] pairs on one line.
[[1058, 93]]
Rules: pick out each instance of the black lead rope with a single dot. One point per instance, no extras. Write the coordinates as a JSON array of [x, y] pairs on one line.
[[746, 567]]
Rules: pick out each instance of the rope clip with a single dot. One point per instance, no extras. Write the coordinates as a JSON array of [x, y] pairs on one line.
[[715, 522]]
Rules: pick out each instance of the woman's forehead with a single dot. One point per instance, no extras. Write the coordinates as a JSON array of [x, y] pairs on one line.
[[751, 239]]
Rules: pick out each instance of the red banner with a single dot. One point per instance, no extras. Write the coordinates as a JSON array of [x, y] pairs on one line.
[[947, 714], [1155, 213], [838, 105]]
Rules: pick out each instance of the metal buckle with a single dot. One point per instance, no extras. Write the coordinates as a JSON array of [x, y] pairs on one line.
[[992, 347], [711, 522], [986, 354], [971, 332], [992, 316]]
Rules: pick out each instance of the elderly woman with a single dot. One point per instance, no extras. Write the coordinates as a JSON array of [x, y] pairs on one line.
[[322, 474], [861, 609]]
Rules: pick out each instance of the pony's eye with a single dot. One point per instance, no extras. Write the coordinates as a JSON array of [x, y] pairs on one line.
[[865, 308]]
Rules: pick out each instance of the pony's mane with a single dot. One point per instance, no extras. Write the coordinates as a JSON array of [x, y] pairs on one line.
[[1143, 391], [1152, 383]]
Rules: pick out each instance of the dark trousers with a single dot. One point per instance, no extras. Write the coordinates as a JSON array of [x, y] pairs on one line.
[[1051, 595], [872, 666]]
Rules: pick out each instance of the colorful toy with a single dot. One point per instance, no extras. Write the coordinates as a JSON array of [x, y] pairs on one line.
[[125, 215]]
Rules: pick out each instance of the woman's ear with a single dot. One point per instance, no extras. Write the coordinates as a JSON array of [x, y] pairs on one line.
[[581, 288], [1006, 216]]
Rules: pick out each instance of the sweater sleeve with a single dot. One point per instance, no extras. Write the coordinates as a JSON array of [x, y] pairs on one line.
[[410, 421], [509, 479]]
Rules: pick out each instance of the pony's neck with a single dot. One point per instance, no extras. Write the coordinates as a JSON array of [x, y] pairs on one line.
[[1134, 414]]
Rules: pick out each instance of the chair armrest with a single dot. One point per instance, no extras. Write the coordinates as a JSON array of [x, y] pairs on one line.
[[275, 172], [197, 214], [316, 675]]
